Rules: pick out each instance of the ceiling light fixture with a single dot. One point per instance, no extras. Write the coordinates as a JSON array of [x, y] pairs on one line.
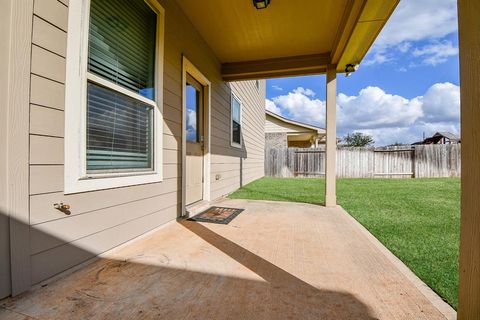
[[261, 4]]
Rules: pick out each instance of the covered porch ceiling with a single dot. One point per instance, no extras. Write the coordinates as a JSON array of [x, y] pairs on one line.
[[288, 37]]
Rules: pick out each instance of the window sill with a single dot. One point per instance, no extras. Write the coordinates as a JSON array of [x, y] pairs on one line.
[[236, 145], [85, 184]]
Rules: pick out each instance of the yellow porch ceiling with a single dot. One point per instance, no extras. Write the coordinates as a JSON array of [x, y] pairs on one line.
[[236, 31], [289, 37]]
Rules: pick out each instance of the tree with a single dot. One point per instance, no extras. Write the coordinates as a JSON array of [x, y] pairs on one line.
[[358, 139], [397, 144]]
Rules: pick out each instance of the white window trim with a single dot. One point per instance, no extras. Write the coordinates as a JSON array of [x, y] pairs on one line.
[[232, 143], [76, 178]]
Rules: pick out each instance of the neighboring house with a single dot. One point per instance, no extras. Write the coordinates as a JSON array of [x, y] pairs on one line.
[[440, 138], [283, 132]]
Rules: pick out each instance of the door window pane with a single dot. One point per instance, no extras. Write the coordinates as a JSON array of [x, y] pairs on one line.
[[121, 45], [193, 96], [119, 131], [236, 125]]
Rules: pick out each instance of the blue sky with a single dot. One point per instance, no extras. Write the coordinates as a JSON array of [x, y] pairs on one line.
[[407, 85]]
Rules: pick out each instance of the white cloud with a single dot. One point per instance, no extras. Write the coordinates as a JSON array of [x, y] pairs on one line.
[[436, 53], [389, 118], [374, 108], [301, 105], [307, 92], [191, 125], [441, 103], [404, 47], [378, 57], [270, 106], [415, 21], [407, 135], [192, 119], [277, 88]]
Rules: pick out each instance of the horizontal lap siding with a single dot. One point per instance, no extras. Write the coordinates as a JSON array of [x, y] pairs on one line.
[[97, 201], [71, 254], [47, 93], [46, 121], [49, 42], [234, 167], [101, 220], [55, 233]]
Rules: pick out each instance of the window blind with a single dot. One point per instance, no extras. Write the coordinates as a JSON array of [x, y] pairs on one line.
[[122, 39], [119, 131]]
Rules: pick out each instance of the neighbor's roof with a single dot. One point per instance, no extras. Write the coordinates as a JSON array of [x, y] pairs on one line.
[[437, 136], [296, 123], [447, 135]]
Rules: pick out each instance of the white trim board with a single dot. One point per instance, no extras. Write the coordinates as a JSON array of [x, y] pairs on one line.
[[188, 67]]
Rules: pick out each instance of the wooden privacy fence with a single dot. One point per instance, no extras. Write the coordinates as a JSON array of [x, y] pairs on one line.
[[421, 161]]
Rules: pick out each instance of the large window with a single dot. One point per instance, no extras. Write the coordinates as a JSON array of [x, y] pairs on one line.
[[113, 103], [236, 126], [121, 50]]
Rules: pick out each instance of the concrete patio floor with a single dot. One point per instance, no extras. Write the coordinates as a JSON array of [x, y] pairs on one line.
[[275, 260]]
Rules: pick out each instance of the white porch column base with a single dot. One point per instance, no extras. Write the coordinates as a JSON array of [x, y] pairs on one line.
[[331, 139]]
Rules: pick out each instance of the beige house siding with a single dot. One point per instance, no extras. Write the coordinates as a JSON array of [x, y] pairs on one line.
[[229, 162], [101, 220]]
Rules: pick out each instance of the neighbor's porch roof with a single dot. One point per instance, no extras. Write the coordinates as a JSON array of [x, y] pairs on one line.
[[289, 37], [308, 127]]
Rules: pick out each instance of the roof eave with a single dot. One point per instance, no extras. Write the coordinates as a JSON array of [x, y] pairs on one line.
[[297, 123]]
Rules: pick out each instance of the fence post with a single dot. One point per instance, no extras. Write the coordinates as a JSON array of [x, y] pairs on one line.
[[414, 162]]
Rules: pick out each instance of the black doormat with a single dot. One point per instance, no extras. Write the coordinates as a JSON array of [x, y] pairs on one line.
[[219, 215]]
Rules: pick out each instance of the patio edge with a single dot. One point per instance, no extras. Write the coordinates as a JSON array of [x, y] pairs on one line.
[[444, 308]]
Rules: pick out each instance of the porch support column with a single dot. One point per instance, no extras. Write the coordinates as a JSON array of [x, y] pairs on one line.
[[469, 44], [331, 139]]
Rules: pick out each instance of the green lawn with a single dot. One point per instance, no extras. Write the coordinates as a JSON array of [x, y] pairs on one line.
[[417, 219]]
